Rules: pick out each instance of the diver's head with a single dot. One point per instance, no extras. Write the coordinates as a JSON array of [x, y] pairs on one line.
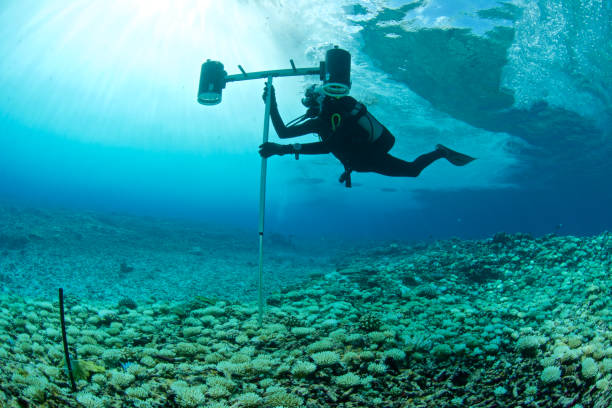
[[312, 100], [312, 96]]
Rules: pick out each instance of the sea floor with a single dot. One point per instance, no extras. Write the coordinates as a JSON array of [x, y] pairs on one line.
[[161, 313], [98, 256]]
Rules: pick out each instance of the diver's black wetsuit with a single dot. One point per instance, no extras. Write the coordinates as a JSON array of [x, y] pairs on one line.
[[361, 145]]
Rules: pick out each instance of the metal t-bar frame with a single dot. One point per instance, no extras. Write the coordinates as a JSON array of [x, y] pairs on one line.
[[262, 186], [275, 73]]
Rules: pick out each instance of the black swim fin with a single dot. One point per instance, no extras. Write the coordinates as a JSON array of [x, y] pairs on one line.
[[456, 158]]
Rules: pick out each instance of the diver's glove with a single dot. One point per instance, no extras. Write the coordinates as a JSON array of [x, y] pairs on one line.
[[270, 149], [272, 95]]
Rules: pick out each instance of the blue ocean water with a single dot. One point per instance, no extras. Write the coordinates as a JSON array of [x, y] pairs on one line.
[[142, 206], [98, 111]]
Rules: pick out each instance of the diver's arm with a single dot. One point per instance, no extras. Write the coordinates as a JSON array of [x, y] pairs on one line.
[[270, 149], [284, 132], [310, 148]]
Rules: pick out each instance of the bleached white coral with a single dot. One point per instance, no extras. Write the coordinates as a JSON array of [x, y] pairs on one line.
[[222, 381], [302, 331], [248, 350], [210, 310], [177, 385], [137, 392], [217, 405], [190, 396], [191, 331], [164, 369], [240, 358], [242, 339], [35, 393], [377, 337], [111, 356], [90, 350], [186, 349], [325, 358], [348, 380], [274, 328], [284, 399], [120, 379], [148, 361], [218, 391], [229, 368], [136, 370], [52, 333], [89, 400], [303, 369], [261, 364], [395, 354], [321, 345], [550, 374], [51, 371], [606, 365], [208, 321], [350, 357], [329, 323], [106, 315], [213, 358], [367, 355], [99, 379], [282, 369], [589, 368], [250, 399], [529, 344], [338, 335], [564, 354], [377, 368]]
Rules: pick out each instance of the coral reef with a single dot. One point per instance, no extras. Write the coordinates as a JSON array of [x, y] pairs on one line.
[[509, 321]]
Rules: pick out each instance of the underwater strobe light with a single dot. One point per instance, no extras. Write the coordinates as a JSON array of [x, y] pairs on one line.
[[212, 82], [337, 81]]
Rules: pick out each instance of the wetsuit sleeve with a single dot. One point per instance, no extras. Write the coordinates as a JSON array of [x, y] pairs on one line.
[[313, 148], [296, 148], [284, 132]]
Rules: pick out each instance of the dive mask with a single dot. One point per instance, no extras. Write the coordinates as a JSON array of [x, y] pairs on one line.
[[312, 100]]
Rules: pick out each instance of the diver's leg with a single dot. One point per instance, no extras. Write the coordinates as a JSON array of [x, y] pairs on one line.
[[392, 166]]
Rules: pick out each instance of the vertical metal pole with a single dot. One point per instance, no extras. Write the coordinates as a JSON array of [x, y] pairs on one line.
[[262, 198]]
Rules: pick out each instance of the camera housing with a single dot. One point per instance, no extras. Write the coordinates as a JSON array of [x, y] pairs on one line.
[[212, 82]]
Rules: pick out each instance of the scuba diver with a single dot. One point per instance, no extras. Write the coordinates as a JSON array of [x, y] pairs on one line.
[[352, 134]]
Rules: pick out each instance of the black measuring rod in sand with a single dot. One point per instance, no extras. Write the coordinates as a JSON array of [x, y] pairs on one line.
[[65, 340]]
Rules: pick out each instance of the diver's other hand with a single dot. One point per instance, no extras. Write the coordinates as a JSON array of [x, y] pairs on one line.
[[272, 94], [270, 149]]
